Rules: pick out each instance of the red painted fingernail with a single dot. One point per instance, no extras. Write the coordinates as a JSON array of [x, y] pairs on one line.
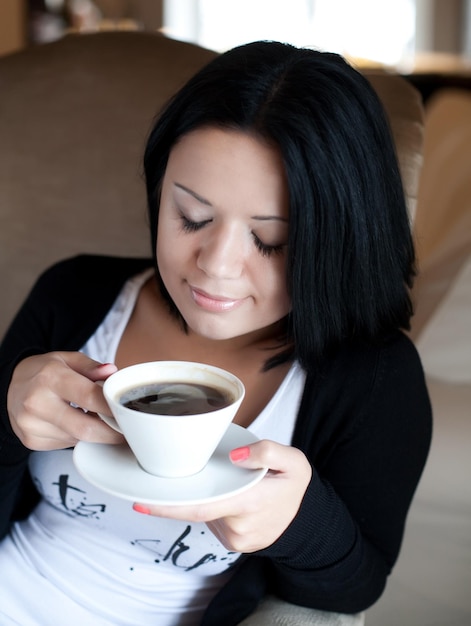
[[141, 509], [240, 454]]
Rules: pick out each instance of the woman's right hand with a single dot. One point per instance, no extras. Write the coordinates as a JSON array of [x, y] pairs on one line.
[[43, 394]]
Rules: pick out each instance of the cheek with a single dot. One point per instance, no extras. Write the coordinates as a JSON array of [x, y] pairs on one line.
[[167, 245], [274, 285], [160, 250], [283, 295], [165, 253], [284, 306]]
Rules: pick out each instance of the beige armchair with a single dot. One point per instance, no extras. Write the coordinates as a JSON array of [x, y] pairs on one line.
[[74, 115], [443, 223], [73, 122]]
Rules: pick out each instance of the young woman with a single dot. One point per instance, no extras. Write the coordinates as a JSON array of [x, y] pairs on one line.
[[281, 252]]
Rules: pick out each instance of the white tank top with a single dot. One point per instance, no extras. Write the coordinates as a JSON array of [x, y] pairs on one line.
[[85, 557]]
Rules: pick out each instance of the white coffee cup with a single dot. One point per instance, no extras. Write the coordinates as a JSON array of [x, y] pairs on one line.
[[171, 445]]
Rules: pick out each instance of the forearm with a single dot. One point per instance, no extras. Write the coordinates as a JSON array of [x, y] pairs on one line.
[[13, 455], [341, 547], [322, 560]]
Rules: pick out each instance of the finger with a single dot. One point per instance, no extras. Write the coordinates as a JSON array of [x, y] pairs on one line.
[[89, 427], [65, 428], [262, 454], [41, 395], [274, 456], [72, 376], [84, 365], [207, 512], [188, 513], [82, 393]]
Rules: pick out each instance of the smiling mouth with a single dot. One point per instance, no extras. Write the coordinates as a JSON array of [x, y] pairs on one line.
[[212, 303]]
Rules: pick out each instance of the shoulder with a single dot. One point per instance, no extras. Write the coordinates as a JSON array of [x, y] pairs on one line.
[[390, 374], [362, 365], [392, 361], [367, 365], [74, 295], [86, 276], [363, 384], [91, 271]]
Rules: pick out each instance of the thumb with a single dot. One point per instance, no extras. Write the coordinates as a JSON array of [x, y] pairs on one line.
[[259, 455], [277, 457]]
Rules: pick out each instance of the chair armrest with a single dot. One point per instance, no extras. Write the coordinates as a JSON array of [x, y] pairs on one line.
[[275, 612]]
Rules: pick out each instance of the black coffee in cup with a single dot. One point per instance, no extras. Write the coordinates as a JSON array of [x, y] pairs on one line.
[[176, 398]]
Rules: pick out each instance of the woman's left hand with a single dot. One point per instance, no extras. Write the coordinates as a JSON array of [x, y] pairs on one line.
[[253, 519]]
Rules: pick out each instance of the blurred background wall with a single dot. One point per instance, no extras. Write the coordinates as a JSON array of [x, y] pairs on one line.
[[399, 33]]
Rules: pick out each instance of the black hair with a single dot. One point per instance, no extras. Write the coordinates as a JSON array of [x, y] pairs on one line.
[[350, 250]]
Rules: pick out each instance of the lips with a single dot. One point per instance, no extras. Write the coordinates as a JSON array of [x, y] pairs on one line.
[[215, 304]]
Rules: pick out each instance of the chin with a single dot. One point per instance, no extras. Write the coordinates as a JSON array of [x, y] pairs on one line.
[[213, 334]]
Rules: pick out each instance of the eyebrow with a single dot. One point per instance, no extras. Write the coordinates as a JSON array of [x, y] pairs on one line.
[[261, 218], [193, 194]]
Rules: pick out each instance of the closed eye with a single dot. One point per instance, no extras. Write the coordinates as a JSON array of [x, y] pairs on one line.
[[265, 249], [189, 226]]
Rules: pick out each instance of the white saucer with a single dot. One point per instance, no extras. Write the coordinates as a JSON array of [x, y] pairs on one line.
[[114, 469]]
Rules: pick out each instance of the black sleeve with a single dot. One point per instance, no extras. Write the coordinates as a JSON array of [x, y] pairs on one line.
[[62, 310], [367, 432], [27, 335]]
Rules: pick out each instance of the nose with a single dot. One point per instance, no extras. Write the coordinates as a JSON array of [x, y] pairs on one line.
[[221, 253]]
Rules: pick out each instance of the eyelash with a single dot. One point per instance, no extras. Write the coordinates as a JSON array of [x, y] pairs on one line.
[[264, 249], [189, 226]]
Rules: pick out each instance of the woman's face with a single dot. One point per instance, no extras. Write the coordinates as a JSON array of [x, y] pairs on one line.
[[223, 233]]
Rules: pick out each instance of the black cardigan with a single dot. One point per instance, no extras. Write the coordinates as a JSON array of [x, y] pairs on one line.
[[364, 423]]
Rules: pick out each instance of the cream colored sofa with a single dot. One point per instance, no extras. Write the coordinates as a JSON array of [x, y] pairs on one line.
[[74, 116]]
